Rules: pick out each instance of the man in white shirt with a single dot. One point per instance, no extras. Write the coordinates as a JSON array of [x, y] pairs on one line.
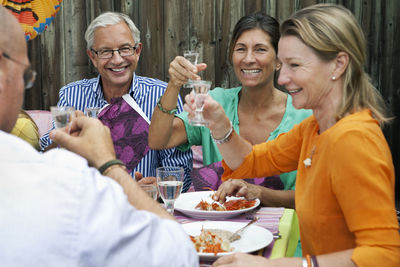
[[58, 211]]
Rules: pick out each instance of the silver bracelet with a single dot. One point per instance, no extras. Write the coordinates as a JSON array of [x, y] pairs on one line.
[[224, 139]]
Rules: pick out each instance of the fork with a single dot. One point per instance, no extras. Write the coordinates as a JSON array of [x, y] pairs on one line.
[[236, 235]]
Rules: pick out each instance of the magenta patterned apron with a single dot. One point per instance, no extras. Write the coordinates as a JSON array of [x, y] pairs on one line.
[[129, 131]]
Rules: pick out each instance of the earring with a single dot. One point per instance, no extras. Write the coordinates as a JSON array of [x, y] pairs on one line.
[[333, 78]]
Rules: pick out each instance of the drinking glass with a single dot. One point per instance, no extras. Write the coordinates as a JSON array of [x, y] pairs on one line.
[[200, 90], [170, 182], [150, 189], [62, 116], [92, 112], [193, 57]]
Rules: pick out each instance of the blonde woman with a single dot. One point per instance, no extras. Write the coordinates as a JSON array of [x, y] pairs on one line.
[[345, 176]]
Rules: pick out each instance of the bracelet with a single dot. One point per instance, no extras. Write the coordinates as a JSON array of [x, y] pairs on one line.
[[224, 139], [314, 261], [170, 112], [110, 163], [109, 169]]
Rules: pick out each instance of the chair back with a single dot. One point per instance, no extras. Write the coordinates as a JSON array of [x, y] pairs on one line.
[[43, 120]]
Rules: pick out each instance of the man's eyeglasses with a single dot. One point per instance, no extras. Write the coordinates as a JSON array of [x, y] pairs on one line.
[[29, 73], [109, 53]]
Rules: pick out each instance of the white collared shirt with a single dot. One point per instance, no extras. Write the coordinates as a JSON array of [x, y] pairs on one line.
[[57, 211]]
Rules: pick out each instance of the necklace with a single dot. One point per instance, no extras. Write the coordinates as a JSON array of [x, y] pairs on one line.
[[307, 161]]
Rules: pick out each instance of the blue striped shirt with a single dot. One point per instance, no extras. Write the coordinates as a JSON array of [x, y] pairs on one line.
[[145, 91]]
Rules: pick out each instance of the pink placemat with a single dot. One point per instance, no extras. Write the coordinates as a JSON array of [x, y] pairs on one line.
[[268, 218]]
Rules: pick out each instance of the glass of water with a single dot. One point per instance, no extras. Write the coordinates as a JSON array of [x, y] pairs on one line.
[[62, 116], [169, 182], [200, 90], [92, 112], [193, 57]]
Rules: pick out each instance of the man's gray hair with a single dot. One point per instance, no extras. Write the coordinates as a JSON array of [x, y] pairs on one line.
[[106, 19]]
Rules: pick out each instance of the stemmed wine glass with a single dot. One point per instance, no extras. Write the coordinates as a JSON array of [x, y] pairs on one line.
[[200, 91], [193, 57], [170, 182], [62, 116]]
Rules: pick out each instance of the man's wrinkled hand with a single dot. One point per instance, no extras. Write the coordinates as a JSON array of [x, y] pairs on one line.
[[87, 137]]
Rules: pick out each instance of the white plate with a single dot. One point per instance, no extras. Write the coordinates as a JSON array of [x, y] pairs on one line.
[[253, 238], [187, 202]]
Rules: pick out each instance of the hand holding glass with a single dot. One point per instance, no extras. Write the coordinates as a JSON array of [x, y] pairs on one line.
[[62, 116], [150, 189], [170, 182], [200, 91], [193, 57]]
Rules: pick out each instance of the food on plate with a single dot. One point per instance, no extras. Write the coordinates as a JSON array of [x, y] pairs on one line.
[[234, 204], [212, 241], [204, 205]]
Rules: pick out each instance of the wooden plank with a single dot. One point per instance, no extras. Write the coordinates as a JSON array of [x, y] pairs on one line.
[[389, 84], [305, 3], [284, 9], [33, 98], [76, 59], [203, 35], [151, 26], [177, 33], [101, 6], [228, 13], [270, 8], [251, 6], [129, 7], [52, 78]]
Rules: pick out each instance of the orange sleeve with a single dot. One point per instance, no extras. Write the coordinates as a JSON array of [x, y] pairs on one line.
[[270, 158]]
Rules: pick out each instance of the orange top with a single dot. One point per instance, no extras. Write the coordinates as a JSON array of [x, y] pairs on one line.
[[345, 196]]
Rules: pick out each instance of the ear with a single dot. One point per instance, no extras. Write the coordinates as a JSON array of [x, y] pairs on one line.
[[92, 57], [138, 49], [340, 64]]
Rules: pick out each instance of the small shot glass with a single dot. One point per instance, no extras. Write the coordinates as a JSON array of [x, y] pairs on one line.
[[92, 112], [62, 116]]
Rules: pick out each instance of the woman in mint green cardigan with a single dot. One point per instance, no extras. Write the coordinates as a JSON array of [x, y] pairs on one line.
[[258, 111]]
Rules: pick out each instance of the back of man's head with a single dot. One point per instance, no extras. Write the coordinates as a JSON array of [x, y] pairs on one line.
[[10, 29], [4, 29], [12, 43]]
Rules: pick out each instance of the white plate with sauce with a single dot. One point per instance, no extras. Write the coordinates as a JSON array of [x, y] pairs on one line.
[[253, 238], [187, 202]]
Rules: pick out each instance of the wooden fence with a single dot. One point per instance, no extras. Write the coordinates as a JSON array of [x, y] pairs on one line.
[[168, 27]]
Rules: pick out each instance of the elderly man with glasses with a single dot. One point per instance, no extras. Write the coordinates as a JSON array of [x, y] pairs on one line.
[[113, 46]]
